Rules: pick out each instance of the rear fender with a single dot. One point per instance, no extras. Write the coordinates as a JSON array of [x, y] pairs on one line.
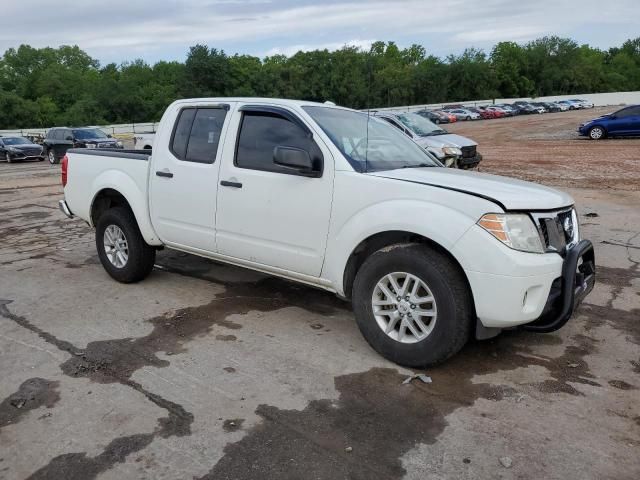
[[135, 197]]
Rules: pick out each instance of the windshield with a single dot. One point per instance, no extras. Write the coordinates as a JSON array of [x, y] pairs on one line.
[[89, 134], [419, 125], [15, 141], [368, 143]]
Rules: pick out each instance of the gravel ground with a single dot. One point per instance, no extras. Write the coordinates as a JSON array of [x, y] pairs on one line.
[[209, 371], [547, 149]]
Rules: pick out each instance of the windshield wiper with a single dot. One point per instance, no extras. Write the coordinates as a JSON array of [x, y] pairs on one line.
[[419, 165]]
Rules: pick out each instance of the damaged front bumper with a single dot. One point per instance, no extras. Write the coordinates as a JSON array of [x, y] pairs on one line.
[[569, 290]]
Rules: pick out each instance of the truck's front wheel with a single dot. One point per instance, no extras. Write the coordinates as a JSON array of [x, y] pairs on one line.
[[413, 305], [123, 252]]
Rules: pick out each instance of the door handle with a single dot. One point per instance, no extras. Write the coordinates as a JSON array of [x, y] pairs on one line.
[[227, 183], [164, 173]]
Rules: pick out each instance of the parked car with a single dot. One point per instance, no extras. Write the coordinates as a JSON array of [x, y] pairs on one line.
[[582, 103], [509, 110], [19, 148], [452, 118], [622, 123], [60, 139], [559, 107], [569, 105], [484, 114], [497, 111], [143, 141], [433, 116], [342, 201], [452, 150], [463, 114]]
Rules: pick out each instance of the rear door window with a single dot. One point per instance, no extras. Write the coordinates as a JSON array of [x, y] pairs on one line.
[[205, 135], [197, 134]]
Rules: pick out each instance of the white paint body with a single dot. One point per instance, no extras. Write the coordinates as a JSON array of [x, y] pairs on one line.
[[305, 229]]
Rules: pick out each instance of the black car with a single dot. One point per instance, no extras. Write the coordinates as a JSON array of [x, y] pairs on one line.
[[434, 117], [552, 107], [19, 148], [61, 139]]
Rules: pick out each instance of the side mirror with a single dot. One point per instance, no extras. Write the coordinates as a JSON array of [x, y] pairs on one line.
[[109, 135], [69, 138], [294, 159]]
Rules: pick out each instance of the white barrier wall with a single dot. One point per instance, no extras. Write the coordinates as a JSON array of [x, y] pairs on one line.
[[599, 99]]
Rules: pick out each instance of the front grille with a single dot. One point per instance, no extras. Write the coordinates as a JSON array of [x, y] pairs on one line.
[[28, 152], [558, 229], [468, 152]]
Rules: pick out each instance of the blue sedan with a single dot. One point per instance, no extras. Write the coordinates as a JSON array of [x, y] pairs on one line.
[[625, 122]]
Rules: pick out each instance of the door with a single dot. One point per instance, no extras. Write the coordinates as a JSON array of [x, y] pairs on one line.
[[627, 122], [184, 178], [269, 214]]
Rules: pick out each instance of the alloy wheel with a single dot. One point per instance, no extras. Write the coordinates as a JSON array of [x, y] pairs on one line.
[[116, 246], [404, 307]]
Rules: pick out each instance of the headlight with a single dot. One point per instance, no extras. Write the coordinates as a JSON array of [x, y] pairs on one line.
[[90, 145], [515, 230], [119, 144], [12, 149], [452, 151]]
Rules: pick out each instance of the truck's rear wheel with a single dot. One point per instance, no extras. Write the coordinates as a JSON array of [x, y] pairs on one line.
[[123, 252], [412, 305]]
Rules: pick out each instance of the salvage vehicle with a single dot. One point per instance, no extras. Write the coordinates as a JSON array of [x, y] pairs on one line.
[[60, 139], [582, 103], [435, 117], [452, 150], [463, 114], [622, 123], [19, 148], [498, 112], [340, 200]]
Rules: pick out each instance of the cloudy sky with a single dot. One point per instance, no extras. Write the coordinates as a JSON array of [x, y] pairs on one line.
[[118, 30]]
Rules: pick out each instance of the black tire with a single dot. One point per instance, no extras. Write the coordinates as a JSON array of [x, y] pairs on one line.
[[141, 256], [597, 133], [467, 118], [51, 156], [448, 286]]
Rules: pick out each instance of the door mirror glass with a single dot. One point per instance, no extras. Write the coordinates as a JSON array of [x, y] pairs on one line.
[[295, 159]]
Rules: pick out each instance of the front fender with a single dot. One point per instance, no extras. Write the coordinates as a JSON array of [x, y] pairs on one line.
[[133, 194], [440, 224]]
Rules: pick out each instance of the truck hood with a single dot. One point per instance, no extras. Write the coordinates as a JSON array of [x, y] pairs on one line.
[[509, 193], [448, 140]]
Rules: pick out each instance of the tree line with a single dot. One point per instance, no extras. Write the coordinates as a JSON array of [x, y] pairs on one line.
[[42, 87]]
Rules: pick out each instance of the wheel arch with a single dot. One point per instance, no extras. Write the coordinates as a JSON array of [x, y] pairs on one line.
[[108, 197], [380, 240]]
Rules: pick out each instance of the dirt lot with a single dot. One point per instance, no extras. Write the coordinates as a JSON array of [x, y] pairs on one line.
[[208, 371], [547, 149]]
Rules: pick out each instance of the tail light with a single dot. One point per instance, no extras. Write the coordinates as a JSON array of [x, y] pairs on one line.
[[64, 164]]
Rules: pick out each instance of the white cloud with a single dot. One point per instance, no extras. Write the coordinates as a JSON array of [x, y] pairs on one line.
[[125, 29], [331, 46]]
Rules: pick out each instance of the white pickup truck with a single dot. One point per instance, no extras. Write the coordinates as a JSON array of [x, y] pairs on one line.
[[339, 200]]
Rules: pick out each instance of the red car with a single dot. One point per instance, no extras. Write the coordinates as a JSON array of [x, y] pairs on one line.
[[497, 111], [485, 114]]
